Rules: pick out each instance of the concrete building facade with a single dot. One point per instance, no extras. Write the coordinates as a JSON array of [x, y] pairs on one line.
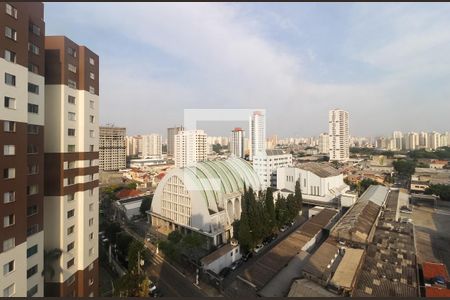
[[257, 131], [268, 162], [190, 147], [112, 148], [71, 167], [171, 132], [22, 109], [151, 145], [338, 123], [237, 142]]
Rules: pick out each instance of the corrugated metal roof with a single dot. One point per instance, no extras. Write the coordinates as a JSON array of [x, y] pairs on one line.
[[322, 170]]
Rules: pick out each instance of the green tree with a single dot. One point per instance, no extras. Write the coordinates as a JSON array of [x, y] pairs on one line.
[[123, 242], [292, 207], [244, 234], [132, 285], [111, 231], [405, 167], [145, 204], [132, 186], [364, 184], [281, 212], [175, 237], [270, 210], [136, 250], [441, 190], [298, 195]]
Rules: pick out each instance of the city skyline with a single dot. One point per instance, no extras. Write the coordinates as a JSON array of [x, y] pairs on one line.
[[373, 66]]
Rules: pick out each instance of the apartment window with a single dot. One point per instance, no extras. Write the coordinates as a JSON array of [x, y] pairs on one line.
[[9, 244], [35, 29], [9, 126], [71, 132], [31, 292], [71, 99], [91, 90], [10, 33], [91, 236], [31, 271], [70, 230], [9, 173], [33, 88], [92, 75], [33, 68], [91, 133], [32, 149], [91, 104], [32, 229], [10, 79], [72, 52], [9, 220], [70, 197], [32, 250], [32, 129], [91, 148], [71, 84], [91, 118], [70, 213], [11, 10], [70, 263], [33, 108], [33, 169], [9, 267], [91, 207], [70, 180], [9, 197], [91, 251], [32, 189], [33, 48], [70, 246], [72, 68], [32, 210], [91, 221], [9, 291], [70, 148], [72, 116], [71, 164], [10, 56], [10, 102], [91, 61], [9, 150]]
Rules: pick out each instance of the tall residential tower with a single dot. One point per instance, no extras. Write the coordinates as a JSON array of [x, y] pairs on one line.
[[339, 138], [237, 142], [257, 138], [71, 166]]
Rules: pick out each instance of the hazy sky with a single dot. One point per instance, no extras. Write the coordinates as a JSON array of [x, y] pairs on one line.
[[387, 64]]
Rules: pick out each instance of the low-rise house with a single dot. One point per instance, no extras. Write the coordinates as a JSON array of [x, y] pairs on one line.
[[221, 258]]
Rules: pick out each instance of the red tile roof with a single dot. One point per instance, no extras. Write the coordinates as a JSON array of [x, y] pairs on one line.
[[434, 291], [127, 193], [160, 176], [432, 270]]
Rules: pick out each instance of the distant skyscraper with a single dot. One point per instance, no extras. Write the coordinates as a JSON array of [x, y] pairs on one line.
[[190, 147], [151, 145], [237, 142], [397, 140], [112, 148], [339, 135], [434, 139], [324, 145], [412, 141], [257, 136], [171, 132], [133, 144]]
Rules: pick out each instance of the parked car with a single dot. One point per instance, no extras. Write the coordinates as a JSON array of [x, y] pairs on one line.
[[270, 239], [292, 222], [236, 264], [258, 248], [284, 228], [247, 256], [224, 272]]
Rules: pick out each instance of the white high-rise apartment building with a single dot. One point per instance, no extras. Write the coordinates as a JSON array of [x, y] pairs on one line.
[[133, 145], [237, 142], [339, 135], [434, 140], [190, 147], [151, 145], [324, 144], [397, 137], [112, 148], [257, 138], [412, 141]]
